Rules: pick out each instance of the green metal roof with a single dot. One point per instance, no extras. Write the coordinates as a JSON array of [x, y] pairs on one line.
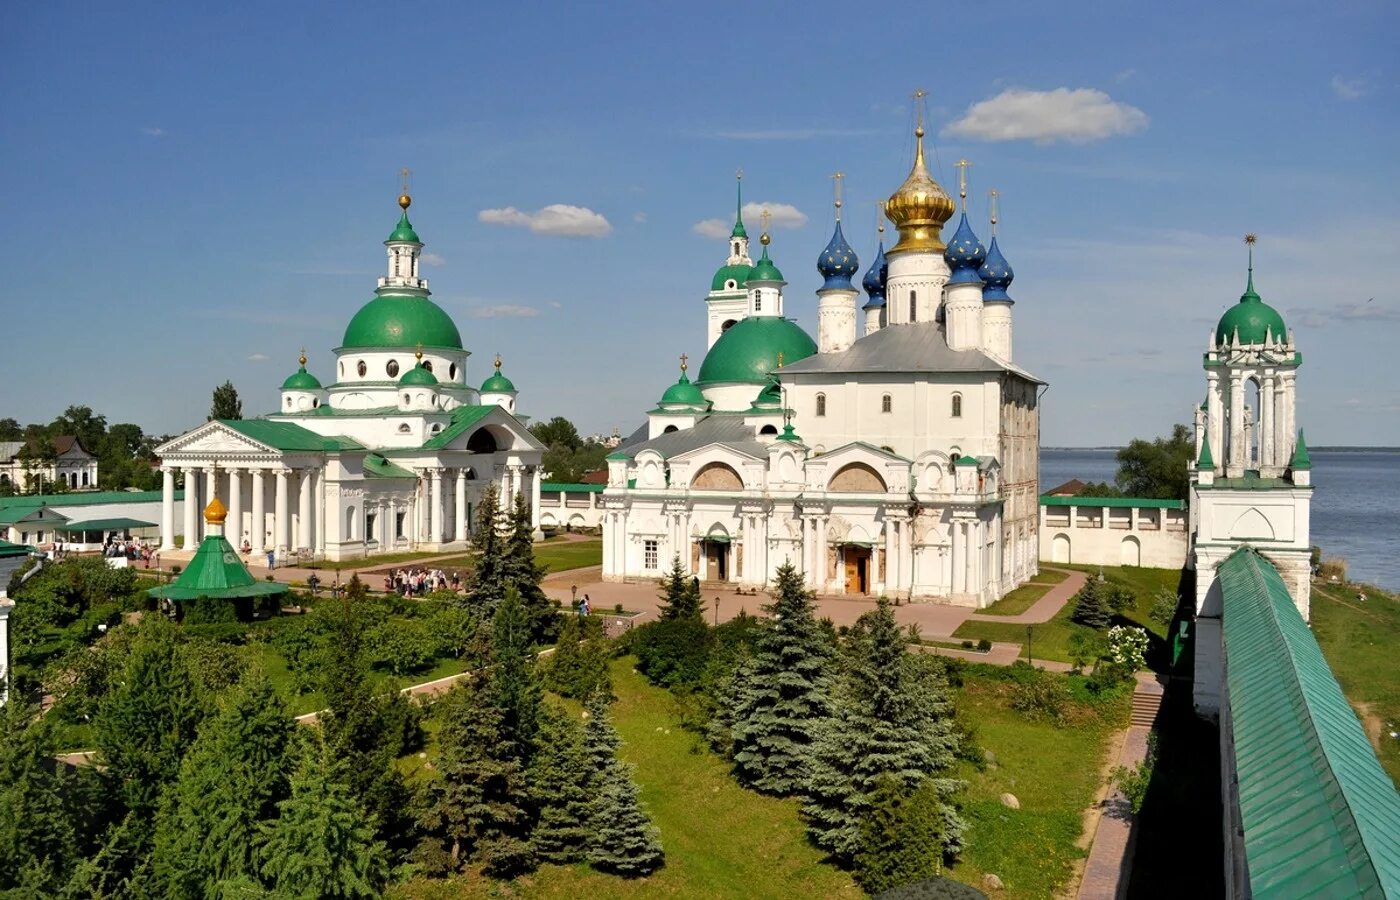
[[377, 466], [1205, 460], [289, 436], [1253, 319], [765, 270], [562, 487], [464, 419], [118, 524], [738, 273], [1143, 502], [401, 320], [748, 351], [85, 498], [1301, 460], [403, 231], [301, 380], [215, 571], [419, 376], [1321, 817], [41, 514], [965, 461], [9, 549], [497, 384], [1250, 481]]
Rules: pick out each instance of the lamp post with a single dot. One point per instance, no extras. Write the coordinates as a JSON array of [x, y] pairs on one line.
[[716, 611], [573, 596], [1029, 630]]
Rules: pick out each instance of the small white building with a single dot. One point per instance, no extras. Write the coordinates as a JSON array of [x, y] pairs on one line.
[[393, 454], [72, 465], [570, 506], [896, 454], [1114, 531]]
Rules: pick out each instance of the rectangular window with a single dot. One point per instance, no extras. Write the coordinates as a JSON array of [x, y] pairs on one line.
[[650, 554], [758, 301]]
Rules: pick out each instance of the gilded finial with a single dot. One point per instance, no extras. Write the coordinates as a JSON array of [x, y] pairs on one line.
[[215, 513], [684, 363], [992, 196], [837, 178], [405, 201], [780, 359], [962, 166], [498, 363], [302, 359], [765, 217], [1249, 240], [919, 96], [418, 352]]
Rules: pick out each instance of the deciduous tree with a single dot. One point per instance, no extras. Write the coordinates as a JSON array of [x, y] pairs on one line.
[[1157, 468], [226, 404]]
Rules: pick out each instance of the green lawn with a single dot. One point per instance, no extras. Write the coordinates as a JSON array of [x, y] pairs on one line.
[[1019, 600], [720, 839], [1053, 772], [1359, 641], [385, 559], [556, 555], [1051, 639]]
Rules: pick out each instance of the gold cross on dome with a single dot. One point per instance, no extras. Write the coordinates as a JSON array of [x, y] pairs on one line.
[[765, 217], [684, 362], [739, 174], [403, 177], [992, 196], [962, 166]]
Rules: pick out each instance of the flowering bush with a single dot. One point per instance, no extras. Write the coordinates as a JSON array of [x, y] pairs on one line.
[[1127, 646]]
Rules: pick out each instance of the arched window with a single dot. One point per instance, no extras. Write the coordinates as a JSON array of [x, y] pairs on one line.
[[669, 428], [404, 429], [768, 429], [452, 371], [821, 404], [886, 404], [315, 403], [289, 403], [957, 406], [913, 306], [731, 284], [391, 368], [342, 368], [428, 364], [361, 368], [726, 326], [405, 399]]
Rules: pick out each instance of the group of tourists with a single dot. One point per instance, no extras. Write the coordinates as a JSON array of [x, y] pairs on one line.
[[417, 582], [130, 548]]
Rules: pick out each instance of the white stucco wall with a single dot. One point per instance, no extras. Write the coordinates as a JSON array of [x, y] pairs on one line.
[[1114, 536]]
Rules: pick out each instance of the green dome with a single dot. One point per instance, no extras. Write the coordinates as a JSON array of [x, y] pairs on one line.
[[497, 384], [748, 351], [739, 273], [771, 397], [403, 231], [764, 270], [301, 380], [683, 393], [402, 321], [1254, 319], [419, 376]]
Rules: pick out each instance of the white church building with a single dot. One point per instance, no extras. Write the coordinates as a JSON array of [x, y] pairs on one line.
[[393, 454], [896, 454]]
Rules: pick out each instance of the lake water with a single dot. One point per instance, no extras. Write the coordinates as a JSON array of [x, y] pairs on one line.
[[1355, 508]]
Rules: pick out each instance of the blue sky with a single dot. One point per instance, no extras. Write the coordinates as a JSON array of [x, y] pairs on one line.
[[195, 193]]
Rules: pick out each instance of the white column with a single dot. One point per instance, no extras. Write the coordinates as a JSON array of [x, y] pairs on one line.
[[1290, 413], [1215, 417], [234, 529], [1266, 425], [535, 501], [459, 532], [437, 506], [318, 516], [167, 508], [304, 478], [891, 557], [191, 507], [823, 580], [877, 583], [607, 543], [281, 516], [1238, 452], [257, 529]]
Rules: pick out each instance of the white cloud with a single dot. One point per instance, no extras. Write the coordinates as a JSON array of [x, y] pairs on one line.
[[1078, 116], [783, 215], [639, 217], [1343, 312], [558, 219], [258, 357], [153, 132], [1349, 88], [502, 311], [555, 304], [432, 259], [1124, 75]]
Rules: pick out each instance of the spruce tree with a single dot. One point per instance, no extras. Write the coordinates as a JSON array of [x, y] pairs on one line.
[[901, 837], [322, 844], [524, 575], [892, 717], [515, 685], [1091, 606], [622, 839], [558, 779], [40, 837], [486, 585], [230, 784], [148, 719], [578, 667], [780, 695], [477, 800], [680, 595]]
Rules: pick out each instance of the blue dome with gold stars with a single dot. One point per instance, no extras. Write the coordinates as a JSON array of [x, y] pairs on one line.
[[996, 274], [838, 262], [965, 255], [874, 281]]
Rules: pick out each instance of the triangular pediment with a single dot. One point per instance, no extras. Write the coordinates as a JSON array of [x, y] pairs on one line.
[[726, 449], [214, 438]]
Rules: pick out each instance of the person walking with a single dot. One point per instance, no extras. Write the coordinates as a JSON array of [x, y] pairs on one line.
[[271, 559]]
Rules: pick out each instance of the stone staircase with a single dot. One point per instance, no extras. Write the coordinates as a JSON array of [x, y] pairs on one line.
[[1147, 703]]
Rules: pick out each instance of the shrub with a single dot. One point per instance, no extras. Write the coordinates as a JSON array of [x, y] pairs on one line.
[[1091, 606], [210, 611], [1333, 568], [1085, 648], [1119, 598], [1127, 647], [617, 608], [936, 888], [901, 836], [967, 645], [673, 652], [1134, 782], [1164, 604], [1042, 695], [984, 645]]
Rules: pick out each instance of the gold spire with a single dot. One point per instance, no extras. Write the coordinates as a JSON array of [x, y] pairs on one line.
[[685, 364], [992, 196], [405, 201], [920, 207], [302, 359], [215, 513], [837, 178]]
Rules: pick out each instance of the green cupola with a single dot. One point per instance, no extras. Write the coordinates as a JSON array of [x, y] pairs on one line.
[[753, 349], [1255, 321], [418, 376], [301, 380], [764, 270], [497, 383], [683, 393], [403, 232]]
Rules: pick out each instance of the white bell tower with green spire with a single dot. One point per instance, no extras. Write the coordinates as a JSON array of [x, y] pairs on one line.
[[728, 300]]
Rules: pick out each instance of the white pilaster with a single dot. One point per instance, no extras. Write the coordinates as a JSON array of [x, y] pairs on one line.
[[459, 531], [167, 508], [1266, 427], [318, 516], [234, 530], [437, 506], [281, 515], [1238, 457], [304, 477], [1215, 417], [191, 507], [257, 530], [534, 476]]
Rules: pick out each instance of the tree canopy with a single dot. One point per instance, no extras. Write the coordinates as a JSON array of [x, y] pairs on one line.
[[1157, 468], [226, 404]]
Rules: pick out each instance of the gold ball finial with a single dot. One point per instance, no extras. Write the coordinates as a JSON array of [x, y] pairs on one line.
[[685, 363], [498, 362], [215, 513], [405, 202], [302, 359], [418, 353], [764, 239], [919, 131]]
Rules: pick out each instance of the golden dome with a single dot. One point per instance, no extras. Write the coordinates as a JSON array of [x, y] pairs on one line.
[[919, 208], [215, 513]]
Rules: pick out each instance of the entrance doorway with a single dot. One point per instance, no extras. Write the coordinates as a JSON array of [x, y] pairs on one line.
[[857, 570], [717, 560]]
